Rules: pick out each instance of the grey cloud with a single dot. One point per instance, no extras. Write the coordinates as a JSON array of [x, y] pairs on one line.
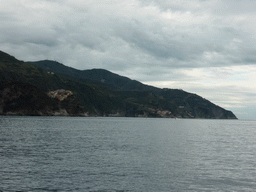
[[103, 33], [23, 34]]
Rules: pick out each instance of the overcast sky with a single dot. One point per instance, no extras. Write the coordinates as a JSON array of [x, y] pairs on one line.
[[207, 47]]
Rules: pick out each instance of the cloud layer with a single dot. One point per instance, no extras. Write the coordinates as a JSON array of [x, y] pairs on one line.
[[172, 43]]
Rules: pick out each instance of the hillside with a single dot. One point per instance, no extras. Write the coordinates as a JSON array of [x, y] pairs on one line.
[[101, 76], [104, 93], [18, 98]]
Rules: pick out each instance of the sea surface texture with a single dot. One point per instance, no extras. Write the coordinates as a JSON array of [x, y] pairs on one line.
[[126, 154]]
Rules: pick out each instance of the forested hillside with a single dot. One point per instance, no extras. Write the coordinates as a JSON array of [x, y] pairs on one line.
[[102, 93]]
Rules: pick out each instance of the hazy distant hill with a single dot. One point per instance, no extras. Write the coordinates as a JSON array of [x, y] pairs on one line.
[[102, 92]]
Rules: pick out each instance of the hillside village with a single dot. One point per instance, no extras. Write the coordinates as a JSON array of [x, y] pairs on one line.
[[60, 94]]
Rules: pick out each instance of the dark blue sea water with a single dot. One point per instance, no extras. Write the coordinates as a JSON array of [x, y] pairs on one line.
[[126, 154]]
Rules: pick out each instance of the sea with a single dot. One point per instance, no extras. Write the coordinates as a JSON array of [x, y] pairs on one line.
[[116, 154]]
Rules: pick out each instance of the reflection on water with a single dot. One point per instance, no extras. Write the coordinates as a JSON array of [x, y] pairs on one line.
[[126, 154]]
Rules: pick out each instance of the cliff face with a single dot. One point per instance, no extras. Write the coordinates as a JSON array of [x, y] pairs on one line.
[[17, 98]]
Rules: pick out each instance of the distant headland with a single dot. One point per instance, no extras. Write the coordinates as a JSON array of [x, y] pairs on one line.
[[49, 88]]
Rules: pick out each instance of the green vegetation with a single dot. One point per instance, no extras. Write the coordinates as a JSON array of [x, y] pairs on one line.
[[103, 93]]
